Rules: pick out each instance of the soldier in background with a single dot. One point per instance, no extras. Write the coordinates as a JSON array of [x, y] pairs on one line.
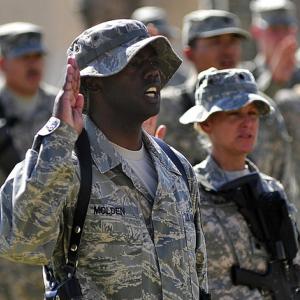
[[25, 104], [288, 101], [155, 18], [274, 28], [233, 191], [211, 38]]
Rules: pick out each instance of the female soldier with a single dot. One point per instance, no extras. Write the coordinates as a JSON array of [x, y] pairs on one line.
[[245, 214]]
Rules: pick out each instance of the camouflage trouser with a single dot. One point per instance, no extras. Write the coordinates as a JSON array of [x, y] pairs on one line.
[[20, 281]]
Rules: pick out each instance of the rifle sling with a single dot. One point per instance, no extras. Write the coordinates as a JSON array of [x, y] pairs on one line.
[[82, 149]]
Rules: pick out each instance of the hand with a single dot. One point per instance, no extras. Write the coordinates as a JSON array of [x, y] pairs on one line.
[[150, 126], [283, 61], [69, 102]]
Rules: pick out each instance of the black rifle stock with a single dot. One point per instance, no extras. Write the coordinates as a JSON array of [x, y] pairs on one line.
[[279, 279]]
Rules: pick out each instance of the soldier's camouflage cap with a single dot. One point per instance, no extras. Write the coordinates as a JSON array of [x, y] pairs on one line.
[[273, 12], [211, 22], [224, 90], [156, 16], [107, 48], [20, 38]]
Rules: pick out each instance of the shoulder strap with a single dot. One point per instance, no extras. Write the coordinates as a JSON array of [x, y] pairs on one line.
[[174, 158], [82, 149]]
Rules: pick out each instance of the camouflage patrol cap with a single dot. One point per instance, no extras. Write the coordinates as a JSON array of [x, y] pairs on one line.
[[276, 12], [224, 90], [107, 48], [211, 22], [19, 38], [156, 16]]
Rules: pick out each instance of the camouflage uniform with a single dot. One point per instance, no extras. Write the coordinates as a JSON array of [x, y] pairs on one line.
[[264, 79], [289, 105], [266, 14], [174, 102], [177, 100], [20, 281], [229, 240], [133, 246], [273, 148], [158, 256], [29, 120]]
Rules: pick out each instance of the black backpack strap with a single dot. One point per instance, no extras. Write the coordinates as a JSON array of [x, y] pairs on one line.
[[174, 158], [82, 149]]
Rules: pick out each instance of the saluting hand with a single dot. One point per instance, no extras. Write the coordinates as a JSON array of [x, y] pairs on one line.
[[69, 102]]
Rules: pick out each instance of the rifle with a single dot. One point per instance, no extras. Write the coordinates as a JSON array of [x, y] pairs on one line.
[[268, 218]]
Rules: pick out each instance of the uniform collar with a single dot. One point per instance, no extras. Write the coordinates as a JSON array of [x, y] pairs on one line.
[[106, 157], [211, 176]]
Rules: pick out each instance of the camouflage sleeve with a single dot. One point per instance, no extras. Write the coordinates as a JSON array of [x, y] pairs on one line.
[[33, 197], [201, 257]]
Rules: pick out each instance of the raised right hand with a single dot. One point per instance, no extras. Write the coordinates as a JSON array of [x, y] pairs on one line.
[[283, 62], [69, 102]]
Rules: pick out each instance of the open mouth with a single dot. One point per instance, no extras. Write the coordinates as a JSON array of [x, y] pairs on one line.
[[152, 92]]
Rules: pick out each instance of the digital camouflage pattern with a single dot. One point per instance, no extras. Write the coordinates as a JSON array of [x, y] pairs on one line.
[[107, 48], [20, 38], [224, 90], [30, 116], [175, 101], [122, 256], [272, 153], [288, 101], [266, 14], [210, 22], [20, 281], [229, 240]]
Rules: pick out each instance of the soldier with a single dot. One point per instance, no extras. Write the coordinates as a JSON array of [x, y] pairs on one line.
[[142, 236], [288, 101], [25, 105], [212, 38], [246, 217], [274, 28], [25, 101]]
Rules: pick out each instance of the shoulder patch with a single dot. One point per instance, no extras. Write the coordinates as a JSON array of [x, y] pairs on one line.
[[52, 124]]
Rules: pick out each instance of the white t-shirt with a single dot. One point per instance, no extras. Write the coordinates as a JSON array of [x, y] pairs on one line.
[[142, 164]]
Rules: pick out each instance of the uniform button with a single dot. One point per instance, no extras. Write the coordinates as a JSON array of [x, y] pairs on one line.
[[77, 229], [73, 247]]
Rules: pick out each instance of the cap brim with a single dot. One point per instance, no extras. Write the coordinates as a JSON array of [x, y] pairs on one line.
[[115, 60], [17, 52], [230, 30], [199, 114]]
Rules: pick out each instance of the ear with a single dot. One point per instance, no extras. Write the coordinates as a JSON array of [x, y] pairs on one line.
[[152, 29], [188, 53], [2, 64], [206, 126]]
